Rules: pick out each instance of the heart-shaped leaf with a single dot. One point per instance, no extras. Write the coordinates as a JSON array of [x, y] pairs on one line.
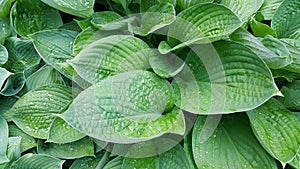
[[3, 140], [291, 94], [126, 108], [37, 161], [3, 55], [204, 23], [232, 145], [222, 76], [277, 129], [33, 112], [83, 8]]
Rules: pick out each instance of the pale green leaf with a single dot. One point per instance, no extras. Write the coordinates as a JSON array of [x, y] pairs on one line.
[[5, 7], [291, 94], [175, 158], [13, 151], [269, 8], [232, 145], [3, 55], [272, 59], [4, 74], [204, 23], [37, 161], [83, 8], [286, 19], [87, 162], [5, 28], [33, 112], [111, 55], [156, 17], [261, 30], [27, 142], [244, 9], [66, 132], [29, 16], [277, 129], [215, 81], [3, 140], [81, 148], [126, 108]]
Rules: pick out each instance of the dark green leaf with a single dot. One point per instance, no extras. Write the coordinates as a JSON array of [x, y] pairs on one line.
[[3, 55], [13, 85], [3, 140], [291, 94], [269, 8]]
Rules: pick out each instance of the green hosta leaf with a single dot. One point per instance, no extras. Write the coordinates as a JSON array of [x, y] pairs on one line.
[[77, 149], [175, 158], [5, 28], [269, 8], [3, 55], [225, 74], [5, 7], [108, 20], [66, 132], [189, 150], [4, 74], [184, 4], [83, 23], [13, 85], [204, 23], [83, 8], [244, 9], [111, 55], [156, 17], [291, 94], [294, 48], [87, 162], [44, 76], [126, 108], [285, 20], [232, 141], [22, 54], [27, 142], [116, 163], [33, 112], [273, 60], [5, 104], [261, 30], [3, 140], [29, 16], [72, 26], [37, 161], [13, 151], [277, 129]]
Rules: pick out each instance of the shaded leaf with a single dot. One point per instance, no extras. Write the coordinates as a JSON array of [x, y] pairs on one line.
[[5, 7], [115, 163], [261, 30], [3, 55], [269, 8], [4, 74], [294, 48], [291, 94], [3, 140], [5, 28], [87, 162], [37, 161], [13, 85], [13, 151]]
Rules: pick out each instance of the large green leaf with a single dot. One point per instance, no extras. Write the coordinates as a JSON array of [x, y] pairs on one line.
[[244, 9], [222, 76], [22, 54], [5, 28], [87, 162], [5, 7], [77, 149], [175, 158], [126, 108], [269, 8], [27, 142], [204, 23], [4, 74], [13, 151], [83, 8], [33, 112], [3, 140], [273, 60], [291, 94], [156, 17], [286, 19], [277, 129], [29, 16], [111, 55], [232, 145], [37, 161], [66, 132], [3, 55]]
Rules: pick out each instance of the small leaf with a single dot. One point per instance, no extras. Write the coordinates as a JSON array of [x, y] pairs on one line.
[[81, 148], [285, 20], [5, 28], [156, 17], [29, 16], [66, 132], [13, 151], [294, 48], [261, 30], [174, 158], [13, 85], [4, 74], [27, 142], [87, 162], [204, 23], [3, 55], [115, 163], [269, 8], [37, 161], [126, 108], [3, 140], [111, 55], [291, 94], [5, 7], [232, 141], [108, 20], [277, 129], [83, 8], [5, 104], [33, 112]]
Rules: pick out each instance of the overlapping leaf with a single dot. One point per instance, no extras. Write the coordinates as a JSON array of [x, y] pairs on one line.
[[3, 55], [5, 29], [291, 94], [269, 8], [13, 151], [3, 140], [37, 161]]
